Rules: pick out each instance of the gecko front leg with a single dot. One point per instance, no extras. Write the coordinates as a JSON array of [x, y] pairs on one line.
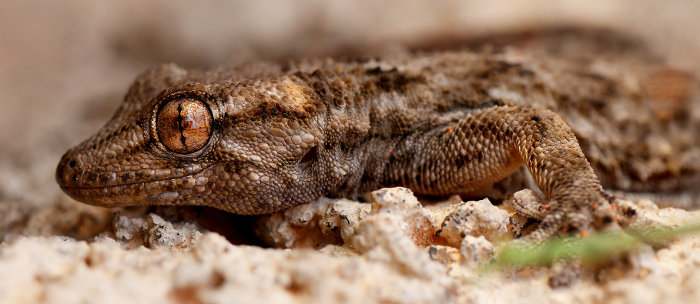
[[490, 144]]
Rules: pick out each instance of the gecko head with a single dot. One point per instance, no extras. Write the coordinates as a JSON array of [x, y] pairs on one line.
[[248, 147]]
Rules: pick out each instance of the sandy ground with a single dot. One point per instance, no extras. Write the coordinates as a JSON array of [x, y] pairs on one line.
[[64, 66]]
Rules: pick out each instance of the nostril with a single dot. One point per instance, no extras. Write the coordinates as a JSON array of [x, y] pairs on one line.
[[67, 172]]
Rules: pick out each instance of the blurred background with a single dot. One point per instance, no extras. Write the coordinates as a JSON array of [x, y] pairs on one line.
[[65, 65]]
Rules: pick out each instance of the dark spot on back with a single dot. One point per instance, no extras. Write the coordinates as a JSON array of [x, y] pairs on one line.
[[394, 80], [480, 156], [461, 161]]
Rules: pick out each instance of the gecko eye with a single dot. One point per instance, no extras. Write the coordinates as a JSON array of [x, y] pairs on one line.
[[184, 125]]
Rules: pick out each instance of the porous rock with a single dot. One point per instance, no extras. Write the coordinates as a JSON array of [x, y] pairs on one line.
[[335, 221], [475, 218], [374, 258], [476, 250], [151, 230], [314, 225]]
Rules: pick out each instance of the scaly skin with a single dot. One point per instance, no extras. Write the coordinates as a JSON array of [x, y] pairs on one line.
[[438, 123]]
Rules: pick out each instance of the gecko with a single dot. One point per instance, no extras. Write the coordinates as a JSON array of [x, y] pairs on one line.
[[576, 112]]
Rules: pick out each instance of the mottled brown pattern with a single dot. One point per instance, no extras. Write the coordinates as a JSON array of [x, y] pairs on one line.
[[436, 122]]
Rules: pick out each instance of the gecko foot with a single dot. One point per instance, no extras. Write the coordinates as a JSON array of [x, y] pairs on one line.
[[556, 219]]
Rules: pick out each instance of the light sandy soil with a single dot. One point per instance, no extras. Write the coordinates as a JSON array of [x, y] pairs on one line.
[[64, 67]]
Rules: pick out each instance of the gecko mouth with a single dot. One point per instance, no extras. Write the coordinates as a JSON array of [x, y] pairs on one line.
[[115, 186], [161, 191], [128, 187], [101, 180]]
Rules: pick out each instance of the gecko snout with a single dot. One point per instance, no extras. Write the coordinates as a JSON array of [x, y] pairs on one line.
[[67, 171]]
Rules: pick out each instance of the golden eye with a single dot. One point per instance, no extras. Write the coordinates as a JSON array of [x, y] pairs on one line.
[[184, 125]]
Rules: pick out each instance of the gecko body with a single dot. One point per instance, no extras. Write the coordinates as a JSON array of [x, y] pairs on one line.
[[261, 138]]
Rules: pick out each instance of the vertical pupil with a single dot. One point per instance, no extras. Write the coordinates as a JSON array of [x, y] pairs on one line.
[[183, 141]]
